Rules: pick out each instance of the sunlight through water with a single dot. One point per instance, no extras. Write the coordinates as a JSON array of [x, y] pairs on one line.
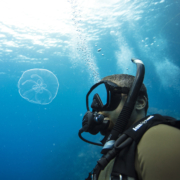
[[71, 28]]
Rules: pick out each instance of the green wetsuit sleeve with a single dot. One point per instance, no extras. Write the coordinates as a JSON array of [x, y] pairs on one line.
[[158, 154]]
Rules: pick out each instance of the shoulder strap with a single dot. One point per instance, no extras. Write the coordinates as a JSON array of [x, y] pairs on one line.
[[137, 130], [173, 122]]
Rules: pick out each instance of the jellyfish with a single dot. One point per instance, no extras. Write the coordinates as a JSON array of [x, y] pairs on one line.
[[38, 86]]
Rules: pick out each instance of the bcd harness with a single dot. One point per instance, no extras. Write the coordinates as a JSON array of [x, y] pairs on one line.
[[124, 168]]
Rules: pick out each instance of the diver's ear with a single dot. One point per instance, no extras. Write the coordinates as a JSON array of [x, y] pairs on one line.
[[141, 103]]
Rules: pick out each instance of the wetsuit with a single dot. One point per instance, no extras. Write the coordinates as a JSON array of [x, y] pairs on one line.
[[157, 155]]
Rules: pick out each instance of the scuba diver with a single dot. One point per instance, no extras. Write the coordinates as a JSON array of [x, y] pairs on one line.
[[135, 146]]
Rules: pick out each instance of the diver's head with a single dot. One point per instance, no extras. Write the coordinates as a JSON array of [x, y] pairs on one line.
[[124, 82]]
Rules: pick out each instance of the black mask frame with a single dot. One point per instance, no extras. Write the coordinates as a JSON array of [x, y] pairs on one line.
[[113, 96]]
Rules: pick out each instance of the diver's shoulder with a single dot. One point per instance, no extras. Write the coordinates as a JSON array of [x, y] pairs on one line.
[[162, 129], [158, 153]]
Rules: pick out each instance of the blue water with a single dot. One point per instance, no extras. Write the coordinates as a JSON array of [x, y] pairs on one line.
[[40, 142]]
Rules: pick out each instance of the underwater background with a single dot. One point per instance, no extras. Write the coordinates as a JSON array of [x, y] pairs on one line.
[[80, 42]]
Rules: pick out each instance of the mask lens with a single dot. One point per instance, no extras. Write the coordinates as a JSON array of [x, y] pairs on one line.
[[114, 102], [102, 92]]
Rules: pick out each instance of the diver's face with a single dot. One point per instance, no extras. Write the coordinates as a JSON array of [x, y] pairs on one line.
[[113, 115]]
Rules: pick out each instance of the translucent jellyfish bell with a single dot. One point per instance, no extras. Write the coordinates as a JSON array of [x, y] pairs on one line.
[[38, 86]]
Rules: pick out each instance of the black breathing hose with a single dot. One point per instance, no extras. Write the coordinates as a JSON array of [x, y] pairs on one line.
[[125, 114], [85, 140]]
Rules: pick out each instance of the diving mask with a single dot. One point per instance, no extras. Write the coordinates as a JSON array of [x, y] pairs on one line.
[[104, 96]]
